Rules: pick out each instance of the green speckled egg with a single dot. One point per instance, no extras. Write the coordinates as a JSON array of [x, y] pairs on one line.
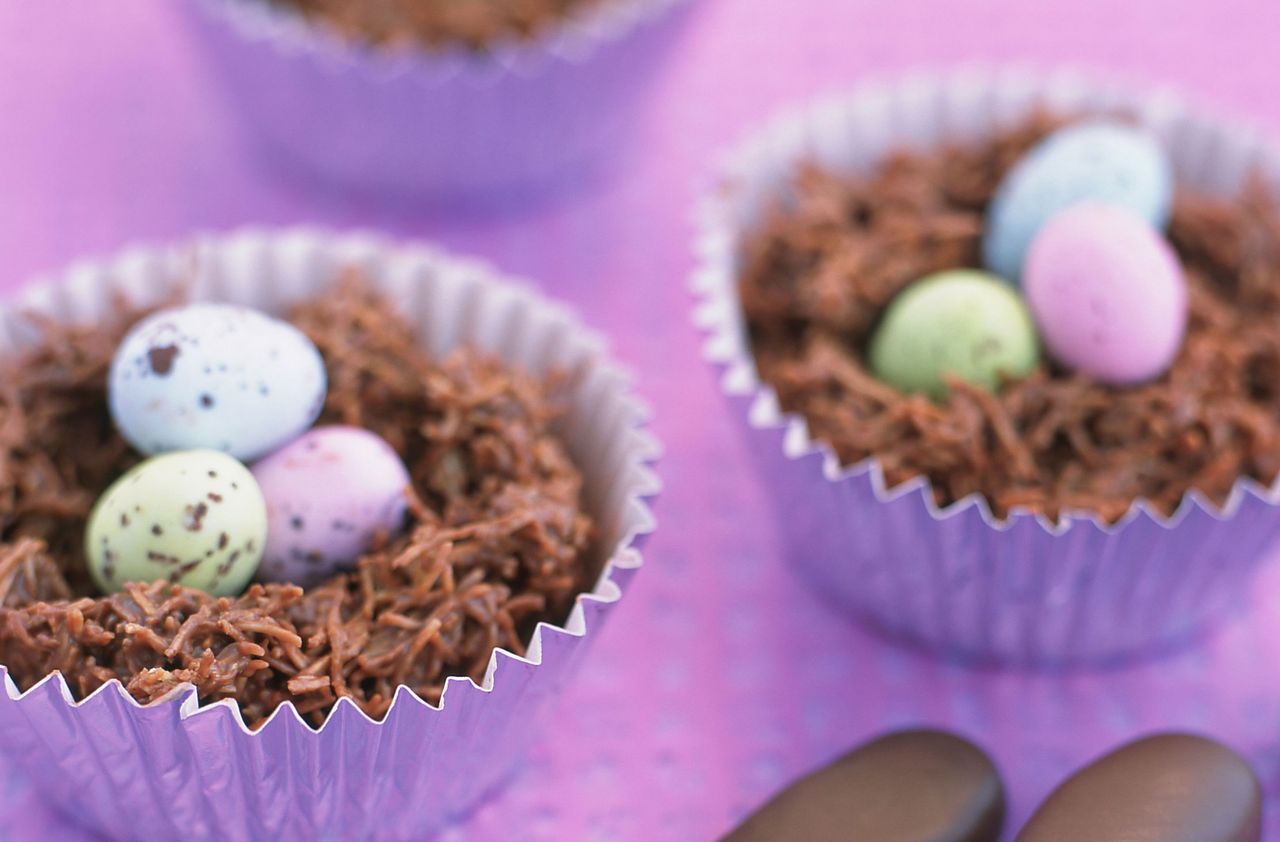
[[193, 517], [965, 323]]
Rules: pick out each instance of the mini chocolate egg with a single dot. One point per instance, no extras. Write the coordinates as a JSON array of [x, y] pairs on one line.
[[193, 517], [908, 786], [215, 376], [329, 494], [1108, 294], [964, 323], [1095, 161], [1162, 788]]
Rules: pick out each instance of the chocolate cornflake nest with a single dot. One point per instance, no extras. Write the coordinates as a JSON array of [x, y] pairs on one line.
[[497, 540], [833, 252], [476, 24]]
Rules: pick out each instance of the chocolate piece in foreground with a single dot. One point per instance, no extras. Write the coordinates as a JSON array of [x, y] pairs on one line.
[[911, 786], [1165, 788]]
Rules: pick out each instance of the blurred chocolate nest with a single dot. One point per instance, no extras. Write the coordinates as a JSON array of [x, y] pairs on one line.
[[436, 24], [829, 257], [497, 539]]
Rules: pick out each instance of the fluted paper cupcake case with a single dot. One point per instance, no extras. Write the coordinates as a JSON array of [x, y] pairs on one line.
[[493, 129], [178, 769], [957, 579]]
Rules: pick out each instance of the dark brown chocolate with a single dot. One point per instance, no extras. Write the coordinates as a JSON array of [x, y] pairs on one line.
[[1166, 788], [498, 540], [436, 23], [836, 250], [911, 786]]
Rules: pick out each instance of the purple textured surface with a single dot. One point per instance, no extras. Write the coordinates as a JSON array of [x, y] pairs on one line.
[[720, 677]]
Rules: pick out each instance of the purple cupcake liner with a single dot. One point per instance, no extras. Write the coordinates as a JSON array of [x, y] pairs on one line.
[[957, 579], [177, 769], [518, 122]]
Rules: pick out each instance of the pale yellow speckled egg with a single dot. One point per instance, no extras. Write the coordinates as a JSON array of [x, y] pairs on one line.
[[192, 517]]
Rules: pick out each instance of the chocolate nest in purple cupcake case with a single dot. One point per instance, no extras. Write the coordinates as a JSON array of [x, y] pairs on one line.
[[827, 260], [476, 24], [497, 542]]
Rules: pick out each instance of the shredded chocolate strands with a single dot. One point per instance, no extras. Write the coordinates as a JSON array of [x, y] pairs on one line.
[[498, 540], [475, 24], [831, 256]]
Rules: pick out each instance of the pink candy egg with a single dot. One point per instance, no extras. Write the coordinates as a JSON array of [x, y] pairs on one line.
[[329, 494], [1108, 294]]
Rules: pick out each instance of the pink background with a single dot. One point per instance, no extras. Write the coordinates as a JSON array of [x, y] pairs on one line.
[[720, 678]]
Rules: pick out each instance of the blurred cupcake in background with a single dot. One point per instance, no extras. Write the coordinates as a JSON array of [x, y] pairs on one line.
[[491, 103], [1007, 347]]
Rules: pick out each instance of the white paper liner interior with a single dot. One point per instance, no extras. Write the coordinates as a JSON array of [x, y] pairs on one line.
[[852, 132], [454, 302], [574, 40]]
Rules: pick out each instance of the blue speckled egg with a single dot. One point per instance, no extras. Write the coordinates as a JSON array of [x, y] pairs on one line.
[[217, 377], [1107, 162]]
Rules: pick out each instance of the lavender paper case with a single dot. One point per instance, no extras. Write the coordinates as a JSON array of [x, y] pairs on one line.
[[520, 122], [177, 769], [956, 579]]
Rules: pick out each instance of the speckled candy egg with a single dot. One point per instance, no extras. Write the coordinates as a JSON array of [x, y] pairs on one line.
[[329, 495], [964, 323], [215, 376], [193, 517], [1108, 294], [1096, 161]]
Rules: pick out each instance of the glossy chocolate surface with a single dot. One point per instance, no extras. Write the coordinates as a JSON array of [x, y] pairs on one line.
[[1165, 788], [910, 786]]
